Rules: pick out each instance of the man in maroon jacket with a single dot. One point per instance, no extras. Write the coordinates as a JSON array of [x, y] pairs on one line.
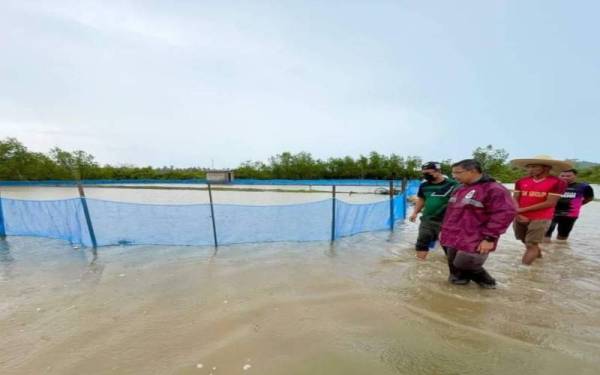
[[479, 211]]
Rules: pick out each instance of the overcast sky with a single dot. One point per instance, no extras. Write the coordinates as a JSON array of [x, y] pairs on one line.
[[185, 82]]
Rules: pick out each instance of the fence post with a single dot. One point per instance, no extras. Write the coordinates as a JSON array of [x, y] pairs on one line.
[[392, 218], [333, 214], [86, 213], [2, 227], [404, 196], [212, 215]]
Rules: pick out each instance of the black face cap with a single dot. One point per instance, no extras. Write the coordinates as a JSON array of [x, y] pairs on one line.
[[431, 165]]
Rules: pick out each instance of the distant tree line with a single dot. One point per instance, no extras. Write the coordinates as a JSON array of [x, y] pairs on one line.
[[590, 174], [303, 166], [18, 163]]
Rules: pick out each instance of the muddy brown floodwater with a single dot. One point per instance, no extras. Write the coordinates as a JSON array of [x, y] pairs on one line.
[[363, 305]]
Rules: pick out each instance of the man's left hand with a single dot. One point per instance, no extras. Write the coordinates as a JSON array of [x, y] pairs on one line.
[[485, 247]]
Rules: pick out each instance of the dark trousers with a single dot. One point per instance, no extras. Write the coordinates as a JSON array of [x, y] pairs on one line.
[[465, 265], [565, 225], [428, 233]]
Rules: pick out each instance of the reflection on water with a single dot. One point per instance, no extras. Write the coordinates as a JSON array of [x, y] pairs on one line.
[[6, 260], [360, 306]]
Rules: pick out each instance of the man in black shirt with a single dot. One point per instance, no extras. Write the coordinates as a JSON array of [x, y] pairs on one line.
[[569, 205]]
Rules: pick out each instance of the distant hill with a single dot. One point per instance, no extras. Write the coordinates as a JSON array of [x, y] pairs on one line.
[[582, 164]]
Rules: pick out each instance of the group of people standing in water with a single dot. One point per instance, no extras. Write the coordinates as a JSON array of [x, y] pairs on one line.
[[470, 211]]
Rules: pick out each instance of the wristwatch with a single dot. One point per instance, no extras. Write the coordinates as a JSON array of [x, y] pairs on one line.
[[490, 238]]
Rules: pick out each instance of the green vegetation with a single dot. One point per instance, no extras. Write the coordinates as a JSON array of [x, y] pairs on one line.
[[495, 163], [18, 163], [582, 164], [304, 166], [591, 175]]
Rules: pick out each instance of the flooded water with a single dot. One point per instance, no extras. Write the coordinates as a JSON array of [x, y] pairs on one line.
[[234, 194], [363, 305]]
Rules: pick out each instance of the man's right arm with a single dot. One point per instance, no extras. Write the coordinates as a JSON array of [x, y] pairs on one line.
[[418, 207], [502, 211]]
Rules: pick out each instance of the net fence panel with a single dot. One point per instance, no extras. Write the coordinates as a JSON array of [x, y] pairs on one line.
[[298, 222], [120, 223], [399, 206], [117, 223], [357, 218], [412, 187], [61, 219]]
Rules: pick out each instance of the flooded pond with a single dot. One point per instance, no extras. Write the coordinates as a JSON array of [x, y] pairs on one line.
[[362, 305]]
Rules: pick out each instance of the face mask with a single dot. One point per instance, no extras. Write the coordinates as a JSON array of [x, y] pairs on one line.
[[428, 177]]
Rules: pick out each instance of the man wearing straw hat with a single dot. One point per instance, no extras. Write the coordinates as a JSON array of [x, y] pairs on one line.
[[536, 196]]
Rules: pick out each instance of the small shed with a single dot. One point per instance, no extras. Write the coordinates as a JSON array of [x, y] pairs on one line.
[[219, 176]]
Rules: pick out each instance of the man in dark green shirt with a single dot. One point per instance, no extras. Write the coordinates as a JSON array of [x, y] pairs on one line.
[[432, 199]]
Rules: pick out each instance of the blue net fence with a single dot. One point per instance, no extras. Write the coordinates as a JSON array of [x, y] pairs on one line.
[[118, 223], [89, 222], [347, 182]]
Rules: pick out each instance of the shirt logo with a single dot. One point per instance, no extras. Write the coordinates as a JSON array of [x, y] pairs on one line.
[[443, 193], [537, 194], [470, 194]]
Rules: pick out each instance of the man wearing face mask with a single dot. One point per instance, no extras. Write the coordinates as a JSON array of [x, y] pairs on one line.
[[432, 199]]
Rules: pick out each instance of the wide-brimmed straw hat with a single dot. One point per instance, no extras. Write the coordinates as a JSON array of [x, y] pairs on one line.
[[557, 165]]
